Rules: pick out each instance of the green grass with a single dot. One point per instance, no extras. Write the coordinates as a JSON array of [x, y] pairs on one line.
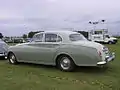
[[38, 77]]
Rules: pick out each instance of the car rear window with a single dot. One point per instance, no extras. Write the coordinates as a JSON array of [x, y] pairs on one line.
[[77, 37]]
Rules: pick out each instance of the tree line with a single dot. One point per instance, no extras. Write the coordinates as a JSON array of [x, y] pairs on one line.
[[1, 35], [32, 33]]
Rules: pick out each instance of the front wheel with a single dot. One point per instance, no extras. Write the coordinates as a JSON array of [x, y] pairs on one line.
[[65, 63], [12, 58]]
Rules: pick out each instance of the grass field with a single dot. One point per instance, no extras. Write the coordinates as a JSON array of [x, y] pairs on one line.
[[38, 77]]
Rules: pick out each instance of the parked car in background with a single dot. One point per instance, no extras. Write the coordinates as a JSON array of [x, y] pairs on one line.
[[13, 40], [65, 49], [3, 49]]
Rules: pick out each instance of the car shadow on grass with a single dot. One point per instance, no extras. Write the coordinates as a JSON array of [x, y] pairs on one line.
[[91, 69], [2, 58], [37, 65], [77, 69]]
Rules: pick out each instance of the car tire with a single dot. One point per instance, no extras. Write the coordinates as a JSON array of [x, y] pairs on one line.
[[12, 58], [110, 42], [65, 63]]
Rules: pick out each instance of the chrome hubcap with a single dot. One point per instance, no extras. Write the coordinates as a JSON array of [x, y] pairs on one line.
[[110, 42], [65, 64], [12, 58]]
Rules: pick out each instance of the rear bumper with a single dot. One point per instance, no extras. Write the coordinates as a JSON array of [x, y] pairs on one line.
[[108, 59]]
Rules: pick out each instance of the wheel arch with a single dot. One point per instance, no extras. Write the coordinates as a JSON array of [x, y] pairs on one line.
[[10, 53], [64, 54]]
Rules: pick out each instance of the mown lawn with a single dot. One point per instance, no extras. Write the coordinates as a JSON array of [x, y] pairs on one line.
[[38, 77]]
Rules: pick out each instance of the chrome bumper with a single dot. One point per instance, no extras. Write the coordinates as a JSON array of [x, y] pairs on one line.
[[108, 59], [3, 55]]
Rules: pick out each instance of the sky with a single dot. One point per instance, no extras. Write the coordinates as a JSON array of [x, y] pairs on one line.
[[22, 16]]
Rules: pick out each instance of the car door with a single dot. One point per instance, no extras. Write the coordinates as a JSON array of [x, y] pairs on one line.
[[49, 47], [30, 52], [42, 49]]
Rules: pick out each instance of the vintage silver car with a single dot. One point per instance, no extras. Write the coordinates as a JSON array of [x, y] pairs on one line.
[[3, 49], [65, 49]]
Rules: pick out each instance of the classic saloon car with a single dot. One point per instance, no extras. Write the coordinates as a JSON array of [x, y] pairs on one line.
[[3, 49], [65, 49]]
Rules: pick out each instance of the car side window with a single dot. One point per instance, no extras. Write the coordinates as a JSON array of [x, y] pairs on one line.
[[38, 38], [52, 38], [59, 39]]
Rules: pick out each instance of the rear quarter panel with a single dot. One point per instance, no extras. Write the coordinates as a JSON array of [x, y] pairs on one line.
[[81, 55]]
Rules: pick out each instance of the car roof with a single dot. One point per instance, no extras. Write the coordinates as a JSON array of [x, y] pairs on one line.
[[63, 33], [59, 32]]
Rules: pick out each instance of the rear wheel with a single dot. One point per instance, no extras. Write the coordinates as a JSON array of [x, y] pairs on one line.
[[65, 63], [110, 42], [12, 58]]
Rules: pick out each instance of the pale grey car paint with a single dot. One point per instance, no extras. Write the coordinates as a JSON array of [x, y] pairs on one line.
[[83, 53], [3, 48]]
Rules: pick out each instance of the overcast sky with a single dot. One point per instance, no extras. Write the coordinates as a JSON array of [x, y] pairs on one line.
[[21, 16]]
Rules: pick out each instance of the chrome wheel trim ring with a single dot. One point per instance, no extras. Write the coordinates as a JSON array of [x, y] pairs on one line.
[[12, 58], [65, 63]]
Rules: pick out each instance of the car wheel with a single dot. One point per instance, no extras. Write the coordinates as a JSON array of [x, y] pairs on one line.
[[110, 42], [65, 63], [12, 59]]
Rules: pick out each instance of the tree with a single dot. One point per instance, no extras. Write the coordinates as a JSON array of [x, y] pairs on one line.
[[1, 36], [84, 33], [103, 20], [90, 22], [31, 34], [24, 36]]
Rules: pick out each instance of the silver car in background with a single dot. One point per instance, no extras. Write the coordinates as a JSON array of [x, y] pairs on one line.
[[3, 49]]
